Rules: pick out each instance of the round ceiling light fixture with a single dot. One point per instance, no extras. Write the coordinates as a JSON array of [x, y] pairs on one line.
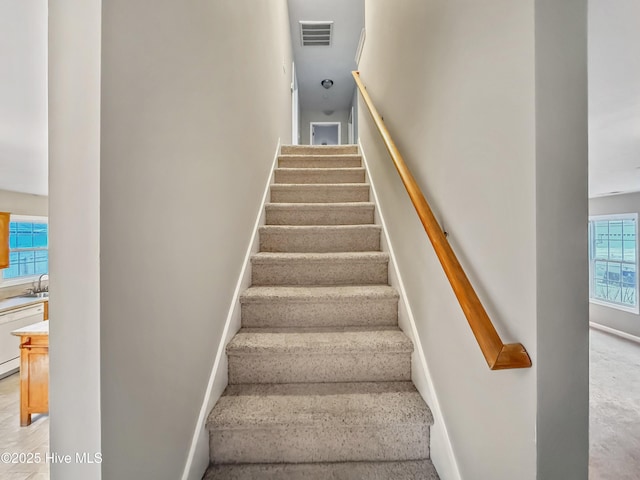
[[327, 83]]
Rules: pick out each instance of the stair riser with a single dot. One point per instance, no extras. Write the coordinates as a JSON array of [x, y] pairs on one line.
[[334, 367], [320, 314], [320, 161], [320, 216], [315, 176], [311, 273], [318, 150], [326, 194], [406, 470], [330, 240], [320, 444]]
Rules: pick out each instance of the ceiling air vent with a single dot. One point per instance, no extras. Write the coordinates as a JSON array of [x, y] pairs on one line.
[[316, 33]]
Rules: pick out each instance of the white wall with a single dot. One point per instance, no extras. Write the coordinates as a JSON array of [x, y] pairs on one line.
[[74, 231], [23, 203], [308, 116], [614, 96], [562, 241], [23, 96], [180, 190], [610, 317], [457, 84]]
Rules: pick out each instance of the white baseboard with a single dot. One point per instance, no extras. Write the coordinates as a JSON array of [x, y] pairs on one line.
[[198, 457], [442, 454], [613, 331]]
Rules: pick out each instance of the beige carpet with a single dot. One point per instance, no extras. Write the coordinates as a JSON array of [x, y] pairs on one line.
[[320, 373], [614, 424]]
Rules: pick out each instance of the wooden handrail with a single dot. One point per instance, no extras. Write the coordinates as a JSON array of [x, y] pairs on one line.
[[498, 355]]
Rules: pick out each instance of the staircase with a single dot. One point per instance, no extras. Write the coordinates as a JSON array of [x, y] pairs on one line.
[[320, 374]]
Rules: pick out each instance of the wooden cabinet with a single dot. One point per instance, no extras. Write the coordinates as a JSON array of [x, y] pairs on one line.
[[34, 377], [34, 370], [46, 310], [4, 239]]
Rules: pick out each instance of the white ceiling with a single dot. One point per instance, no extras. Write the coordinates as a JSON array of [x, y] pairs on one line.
[[23, 96], [614, 96], [313, 64]]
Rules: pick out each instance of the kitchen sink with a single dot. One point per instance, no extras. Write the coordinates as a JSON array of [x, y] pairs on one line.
[[36, 295]]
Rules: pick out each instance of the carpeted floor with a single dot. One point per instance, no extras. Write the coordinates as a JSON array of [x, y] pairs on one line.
[[614, 424]]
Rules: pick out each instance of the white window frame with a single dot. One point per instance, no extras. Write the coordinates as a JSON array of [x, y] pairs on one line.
[[31, 278], [598, 301]]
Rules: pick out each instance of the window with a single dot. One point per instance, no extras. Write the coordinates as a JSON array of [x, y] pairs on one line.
[[28, 248], [613, 261]]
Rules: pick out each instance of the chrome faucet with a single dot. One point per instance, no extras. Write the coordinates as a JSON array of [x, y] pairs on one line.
[[40, 282], [37, 290]]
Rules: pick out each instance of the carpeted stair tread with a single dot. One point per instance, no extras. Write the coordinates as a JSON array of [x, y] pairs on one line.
[[346, 293], [359, 403], [313, 170], [407, 470], [320, 161], [319, 192], [320, 238], [318, 306], [289, 355], [318, 149], [335, 268], [347, 213], [353, 257], [320, 175], [340, 422], [286, 341]]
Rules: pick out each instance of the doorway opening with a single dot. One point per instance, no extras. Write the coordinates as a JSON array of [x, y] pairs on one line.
[[325, 133]]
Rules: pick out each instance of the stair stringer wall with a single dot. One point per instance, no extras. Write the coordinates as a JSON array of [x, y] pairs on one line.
[[198, 458], [442, 453]]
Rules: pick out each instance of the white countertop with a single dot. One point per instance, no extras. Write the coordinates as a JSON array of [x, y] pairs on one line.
[[40, 328], [19, 302]]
